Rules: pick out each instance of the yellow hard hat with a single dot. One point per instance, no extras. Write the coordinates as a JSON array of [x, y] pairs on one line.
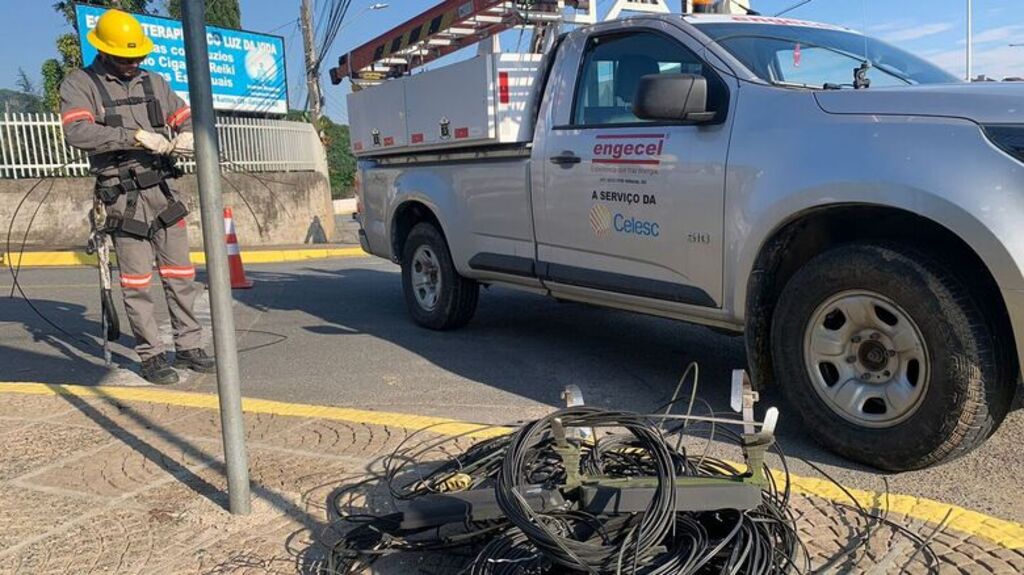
[[119, 34]]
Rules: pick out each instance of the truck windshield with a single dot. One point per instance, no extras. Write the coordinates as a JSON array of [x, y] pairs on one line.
[[803, 56]]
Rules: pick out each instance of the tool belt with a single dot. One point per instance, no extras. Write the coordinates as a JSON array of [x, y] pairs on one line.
[[131, 183]]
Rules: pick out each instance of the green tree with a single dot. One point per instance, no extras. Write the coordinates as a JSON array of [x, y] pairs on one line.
[[68, 8], [53, 75], [16, 102], [29, 99], [340, 161], [25, 83], [70, 51], [341, 164], [223, 13]]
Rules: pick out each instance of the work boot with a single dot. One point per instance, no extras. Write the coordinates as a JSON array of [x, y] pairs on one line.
[[157, 371], [196, 360]]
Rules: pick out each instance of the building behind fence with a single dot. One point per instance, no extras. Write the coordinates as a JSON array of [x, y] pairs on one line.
[[32, 146]]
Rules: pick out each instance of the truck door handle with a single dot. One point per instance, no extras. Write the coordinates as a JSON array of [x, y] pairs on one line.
[[566, 159]]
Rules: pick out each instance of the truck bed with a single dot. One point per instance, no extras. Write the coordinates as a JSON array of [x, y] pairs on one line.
[[488, 188]]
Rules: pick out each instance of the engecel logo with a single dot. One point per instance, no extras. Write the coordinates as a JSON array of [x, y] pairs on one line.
[[634, 149]]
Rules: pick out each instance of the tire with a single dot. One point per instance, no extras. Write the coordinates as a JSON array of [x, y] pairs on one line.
[[921, 383], [452, 301]]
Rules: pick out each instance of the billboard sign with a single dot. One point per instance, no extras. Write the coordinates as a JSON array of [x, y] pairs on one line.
[[247, 69]]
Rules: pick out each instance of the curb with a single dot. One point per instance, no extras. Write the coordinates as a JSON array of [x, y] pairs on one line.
[[1006, 534], [78, 258]]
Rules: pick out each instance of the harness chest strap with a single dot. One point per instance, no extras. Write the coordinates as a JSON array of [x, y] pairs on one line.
[[132, 181], [153, 108]]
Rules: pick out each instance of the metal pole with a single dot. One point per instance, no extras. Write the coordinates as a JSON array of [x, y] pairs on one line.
[[212, 209], [970, 40]]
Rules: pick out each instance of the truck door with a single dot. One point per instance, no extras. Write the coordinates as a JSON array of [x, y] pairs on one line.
[[625, 206]]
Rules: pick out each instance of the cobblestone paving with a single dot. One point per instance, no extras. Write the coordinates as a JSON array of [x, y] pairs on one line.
[[98, 485]]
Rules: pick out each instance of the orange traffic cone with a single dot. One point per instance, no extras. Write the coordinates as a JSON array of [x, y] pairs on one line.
[[238, 279]]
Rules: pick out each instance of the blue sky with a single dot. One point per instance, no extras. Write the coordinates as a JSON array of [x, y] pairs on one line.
[[932, 28]]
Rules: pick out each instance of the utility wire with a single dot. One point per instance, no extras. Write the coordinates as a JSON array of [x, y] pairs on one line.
[[339, 9], [289, 22], [793, 7]]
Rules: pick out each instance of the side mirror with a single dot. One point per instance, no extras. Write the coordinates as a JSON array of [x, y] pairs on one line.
[[674, 98]]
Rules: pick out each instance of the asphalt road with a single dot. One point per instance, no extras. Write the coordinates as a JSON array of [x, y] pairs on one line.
[[337, 333]]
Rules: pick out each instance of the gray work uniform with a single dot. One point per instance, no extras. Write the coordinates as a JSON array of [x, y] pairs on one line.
[[112, 150]]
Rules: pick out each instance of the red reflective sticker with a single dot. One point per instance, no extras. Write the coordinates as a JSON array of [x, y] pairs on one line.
[[417, 138], [503, 93], [461, 133], [389, 141]]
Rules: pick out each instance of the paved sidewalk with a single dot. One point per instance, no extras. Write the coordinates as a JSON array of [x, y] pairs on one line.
[[128, 481]]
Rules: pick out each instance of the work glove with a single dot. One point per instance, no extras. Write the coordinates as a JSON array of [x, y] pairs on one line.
[[184, 144], [154, 143]]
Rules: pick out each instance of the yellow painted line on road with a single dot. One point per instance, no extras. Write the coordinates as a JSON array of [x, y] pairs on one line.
[[6, 286], [47, 259], [1007, 534], [439, 425], [73, 258], [295, 255]]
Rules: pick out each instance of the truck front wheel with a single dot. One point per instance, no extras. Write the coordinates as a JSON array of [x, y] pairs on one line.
[[436, 295], [887, 358]]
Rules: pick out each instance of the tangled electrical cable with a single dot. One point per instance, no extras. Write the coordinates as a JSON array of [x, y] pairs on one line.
[[525, 502], [585, 490]]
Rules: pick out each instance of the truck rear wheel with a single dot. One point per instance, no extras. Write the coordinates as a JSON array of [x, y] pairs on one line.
[[436, 295], [887, 358]]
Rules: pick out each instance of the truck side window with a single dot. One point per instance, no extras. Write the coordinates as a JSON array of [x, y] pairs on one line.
[[611, 72]]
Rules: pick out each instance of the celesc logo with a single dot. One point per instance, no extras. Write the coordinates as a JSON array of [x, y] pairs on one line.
[[602, 221]]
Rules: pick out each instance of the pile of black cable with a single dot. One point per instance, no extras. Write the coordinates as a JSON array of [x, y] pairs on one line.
[[583, 491]]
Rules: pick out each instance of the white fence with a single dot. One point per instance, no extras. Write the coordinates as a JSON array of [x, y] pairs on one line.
[[32, 146]]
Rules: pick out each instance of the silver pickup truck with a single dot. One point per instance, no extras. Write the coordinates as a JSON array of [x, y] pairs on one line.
[[852, 209]]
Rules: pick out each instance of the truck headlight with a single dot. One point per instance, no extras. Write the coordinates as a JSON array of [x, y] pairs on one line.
[[1009, 138]]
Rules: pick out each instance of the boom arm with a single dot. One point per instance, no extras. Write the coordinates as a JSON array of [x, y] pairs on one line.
[[445, 28], [455, 24]]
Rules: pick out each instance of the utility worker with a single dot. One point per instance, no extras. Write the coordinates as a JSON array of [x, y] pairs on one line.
[[132, 126]]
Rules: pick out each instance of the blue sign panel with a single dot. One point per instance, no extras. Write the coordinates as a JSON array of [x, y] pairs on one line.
[[247, 70]]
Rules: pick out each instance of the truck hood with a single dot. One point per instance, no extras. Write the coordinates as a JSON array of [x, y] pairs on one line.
[[985, 103]]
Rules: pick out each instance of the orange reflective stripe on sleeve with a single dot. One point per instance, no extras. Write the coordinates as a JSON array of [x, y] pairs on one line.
[[136, 281], [177, 272], [177, 118], [76, 115]]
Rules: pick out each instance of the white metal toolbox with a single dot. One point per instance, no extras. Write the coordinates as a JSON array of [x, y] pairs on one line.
[[486, 100]]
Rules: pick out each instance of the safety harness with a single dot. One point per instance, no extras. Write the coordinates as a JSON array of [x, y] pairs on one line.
[[131, 181]]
